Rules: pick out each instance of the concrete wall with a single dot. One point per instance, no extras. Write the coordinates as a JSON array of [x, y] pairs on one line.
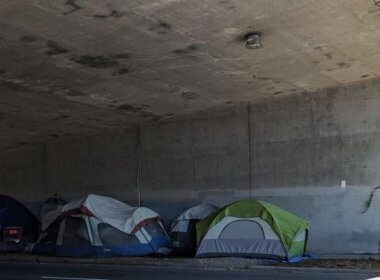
[[197, 159], [303, 147], [104, 164], [294, 151]]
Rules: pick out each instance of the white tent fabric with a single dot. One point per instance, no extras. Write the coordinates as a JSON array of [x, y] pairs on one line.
[[100, 226], [197, 212], [50, 210], [111, 211], [243, 236], [49, 218]]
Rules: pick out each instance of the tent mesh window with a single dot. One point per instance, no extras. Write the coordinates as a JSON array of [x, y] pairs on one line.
[[242, 230], [155, 229], [51, 234], [112, 236], [75, 232]]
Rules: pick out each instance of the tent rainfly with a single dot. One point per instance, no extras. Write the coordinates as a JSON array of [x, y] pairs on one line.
[[183, 231], [100, 226], [252, 228]]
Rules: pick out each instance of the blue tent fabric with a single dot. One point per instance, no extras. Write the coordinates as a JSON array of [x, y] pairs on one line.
[[304, 257], [14, 214], [103, 251]]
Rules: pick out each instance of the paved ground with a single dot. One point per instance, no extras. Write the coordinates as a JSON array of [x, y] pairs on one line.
[[364, 262], [12, 271]]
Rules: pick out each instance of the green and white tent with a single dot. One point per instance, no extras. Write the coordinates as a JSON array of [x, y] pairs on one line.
[[252, 228]]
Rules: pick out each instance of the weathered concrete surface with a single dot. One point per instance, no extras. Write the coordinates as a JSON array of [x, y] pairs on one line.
[[23, 174], [318, 139], [104, 164], [196, 159], [303, 147], [136, 61], [338, 224], [296, 151]]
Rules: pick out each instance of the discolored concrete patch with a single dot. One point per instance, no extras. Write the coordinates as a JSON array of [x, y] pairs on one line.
[[164, 24], [60, 117], [120, 56], [277, 93], [138, 110], [129, 108], [190, 95], [323, 51], [187, 50], [54, 48], [160, 27], [261, 78], [121, 72], [73, 92], [343, 65], [28, 39], [95, 61], [113, 13]]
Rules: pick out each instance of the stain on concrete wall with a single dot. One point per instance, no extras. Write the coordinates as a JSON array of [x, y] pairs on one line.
[[54, 48], [101, 62], [160, 27], [28, 39], [111, 14]]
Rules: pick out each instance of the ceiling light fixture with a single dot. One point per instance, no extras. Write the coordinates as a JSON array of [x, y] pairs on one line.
[[253, 40]]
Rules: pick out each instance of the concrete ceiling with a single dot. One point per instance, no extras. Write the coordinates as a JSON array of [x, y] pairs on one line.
[[70, 67]]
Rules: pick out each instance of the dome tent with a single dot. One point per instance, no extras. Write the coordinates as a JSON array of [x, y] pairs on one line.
[[252, 228], [100, 226], [15, 215], [50, 210], [183, 231]]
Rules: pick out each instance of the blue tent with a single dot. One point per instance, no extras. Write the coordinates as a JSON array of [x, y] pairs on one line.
[[14, 214]]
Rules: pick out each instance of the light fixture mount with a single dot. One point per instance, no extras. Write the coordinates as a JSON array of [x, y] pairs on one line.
[[253, 40]]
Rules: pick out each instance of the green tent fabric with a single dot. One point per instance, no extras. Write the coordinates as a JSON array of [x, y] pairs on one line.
[[285, 224]]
